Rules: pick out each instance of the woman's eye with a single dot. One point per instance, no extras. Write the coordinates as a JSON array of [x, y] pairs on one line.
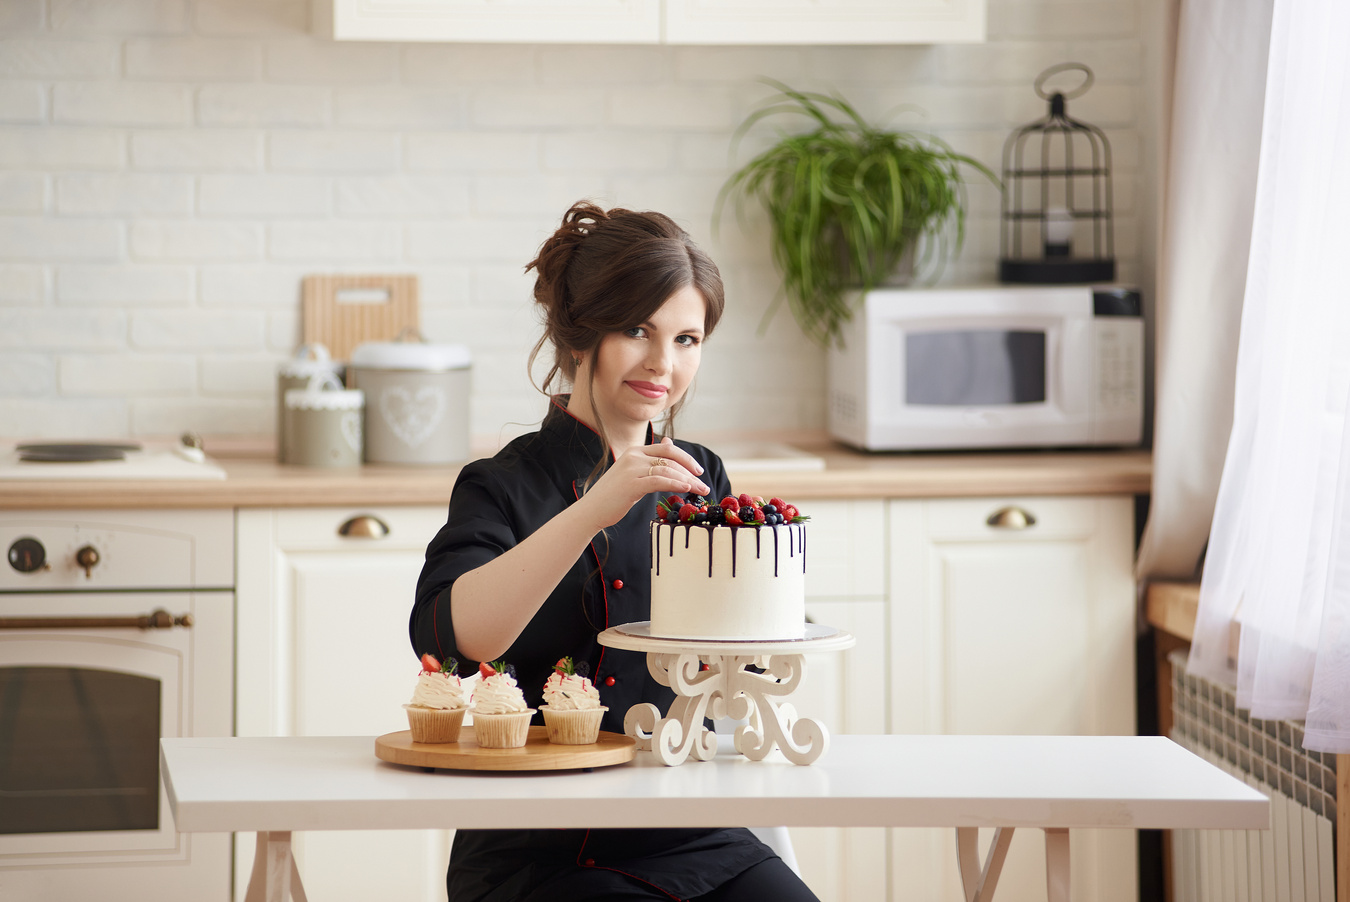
[[636, 332], [687, 341]]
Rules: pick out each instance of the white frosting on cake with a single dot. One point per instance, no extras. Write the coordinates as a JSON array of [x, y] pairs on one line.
[[498, 694], [728, 582], [569, 692], [438, 690]]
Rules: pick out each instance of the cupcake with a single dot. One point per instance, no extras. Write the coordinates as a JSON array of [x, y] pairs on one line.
[[438, 704], [501, 720], [572, 709]]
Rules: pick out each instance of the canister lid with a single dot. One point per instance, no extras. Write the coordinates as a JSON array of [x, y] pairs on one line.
[[410, 355], [309, 360], [325, 392]]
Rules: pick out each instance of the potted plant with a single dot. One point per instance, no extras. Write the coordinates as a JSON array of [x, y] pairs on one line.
[[848, 202]]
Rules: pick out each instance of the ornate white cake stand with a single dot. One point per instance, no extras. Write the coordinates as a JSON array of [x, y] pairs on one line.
[[710, 679]]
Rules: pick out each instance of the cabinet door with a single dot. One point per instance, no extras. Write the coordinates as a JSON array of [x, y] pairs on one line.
[[845, 691], [324, 651], [836, 22], [495, 21], [1003, 628]]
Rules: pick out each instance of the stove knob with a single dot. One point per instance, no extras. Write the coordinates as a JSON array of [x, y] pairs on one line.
[[28, 556], [87, 557]]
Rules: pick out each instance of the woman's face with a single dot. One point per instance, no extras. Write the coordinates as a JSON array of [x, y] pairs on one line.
[[641, 373]]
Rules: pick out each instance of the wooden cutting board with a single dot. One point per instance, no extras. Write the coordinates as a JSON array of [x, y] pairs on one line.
[[342, 311], [537, 753]]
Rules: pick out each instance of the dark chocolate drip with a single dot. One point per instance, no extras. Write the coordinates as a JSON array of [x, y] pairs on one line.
[[790, 554], [756, 543], [775, 550], [708, 530], [803, 537], [687, 527], [733, 551], [672, 540]]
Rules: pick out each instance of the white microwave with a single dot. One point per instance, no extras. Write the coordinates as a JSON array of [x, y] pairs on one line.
[[990, 367]]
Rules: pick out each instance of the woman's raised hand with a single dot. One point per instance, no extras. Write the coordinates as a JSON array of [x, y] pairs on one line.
[[639, 471]]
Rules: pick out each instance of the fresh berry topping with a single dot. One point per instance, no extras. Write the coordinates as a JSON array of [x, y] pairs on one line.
[[565, 666], [674, 502], [752, 516], [430, 664], [731, 503], [769, 509], [486, 670], [745, 500], [758, 500], [733, 518], [778, 503], [687, 513]]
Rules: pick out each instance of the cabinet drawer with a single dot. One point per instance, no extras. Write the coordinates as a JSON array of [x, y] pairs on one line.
[[1009, 519], [321, 527]]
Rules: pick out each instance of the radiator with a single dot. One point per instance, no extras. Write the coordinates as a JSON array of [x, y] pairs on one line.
[[1293, 861]]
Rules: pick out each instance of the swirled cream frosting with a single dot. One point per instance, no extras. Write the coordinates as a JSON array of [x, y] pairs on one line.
[[438, 690], [569, 692], [498, 694]]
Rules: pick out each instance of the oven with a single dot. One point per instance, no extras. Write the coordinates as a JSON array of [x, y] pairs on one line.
[[116, 628]]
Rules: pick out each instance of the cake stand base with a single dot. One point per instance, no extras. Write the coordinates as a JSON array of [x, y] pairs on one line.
[[710, 679]]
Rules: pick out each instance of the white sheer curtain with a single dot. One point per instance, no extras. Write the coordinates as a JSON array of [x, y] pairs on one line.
[[1279, 549]]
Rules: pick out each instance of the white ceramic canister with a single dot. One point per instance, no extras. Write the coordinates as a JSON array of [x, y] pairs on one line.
[[325, 424], [309, 361], [417, 401]]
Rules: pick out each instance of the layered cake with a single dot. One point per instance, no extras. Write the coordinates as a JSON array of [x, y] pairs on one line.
[[734, 570]]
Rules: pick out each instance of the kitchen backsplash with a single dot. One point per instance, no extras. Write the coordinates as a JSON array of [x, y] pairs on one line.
[[170, 169]]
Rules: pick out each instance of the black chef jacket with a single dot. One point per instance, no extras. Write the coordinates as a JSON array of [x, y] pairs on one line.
[[496, 503]]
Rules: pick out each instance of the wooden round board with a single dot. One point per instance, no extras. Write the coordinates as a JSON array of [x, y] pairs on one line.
[[537, 753]]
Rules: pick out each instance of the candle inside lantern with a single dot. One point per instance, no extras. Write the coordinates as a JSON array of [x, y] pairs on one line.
[[1058, 232]]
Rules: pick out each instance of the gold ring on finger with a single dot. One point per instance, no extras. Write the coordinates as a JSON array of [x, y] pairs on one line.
[[660, 462]]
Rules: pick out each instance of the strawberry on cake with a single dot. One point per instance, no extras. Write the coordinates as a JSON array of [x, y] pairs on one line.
[[733, 570]]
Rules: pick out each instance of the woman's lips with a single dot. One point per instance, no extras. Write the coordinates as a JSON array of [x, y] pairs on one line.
[[648, 389]]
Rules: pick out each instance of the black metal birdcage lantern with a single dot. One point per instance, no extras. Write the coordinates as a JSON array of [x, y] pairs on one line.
[[1057, 195]]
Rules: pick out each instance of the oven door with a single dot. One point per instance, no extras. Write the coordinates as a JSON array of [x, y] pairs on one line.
[[82, 710]]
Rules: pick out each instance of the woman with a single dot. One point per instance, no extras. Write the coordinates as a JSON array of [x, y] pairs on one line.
[[546, 545]]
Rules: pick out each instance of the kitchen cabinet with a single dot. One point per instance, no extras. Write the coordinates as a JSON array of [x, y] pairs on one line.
[[1024, 626], [323, 651], [655, 21], [1012, 616]]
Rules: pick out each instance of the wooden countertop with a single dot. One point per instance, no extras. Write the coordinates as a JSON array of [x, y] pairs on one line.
[[256, 481]]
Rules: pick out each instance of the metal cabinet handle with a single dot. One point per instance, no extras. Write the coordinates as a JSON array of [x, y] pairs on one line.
[[1011, 518], [364, 526], [158, 619]]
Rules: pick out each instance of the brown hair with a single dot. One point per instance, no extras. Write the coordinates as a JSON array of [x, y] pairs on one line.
[[609, 271]]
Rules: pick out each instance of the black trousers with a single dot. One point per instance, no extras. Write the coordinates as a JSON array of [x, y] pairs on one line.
[[769, 881]]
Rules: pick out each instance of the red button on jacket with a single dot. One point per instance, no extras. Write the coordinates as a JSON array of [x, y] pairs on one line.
[[618, 584], [609, 681]]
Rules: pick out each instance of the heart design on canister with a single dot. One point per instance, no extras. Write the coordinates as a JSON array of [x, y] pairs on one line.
[[350, 426], [412, 416]]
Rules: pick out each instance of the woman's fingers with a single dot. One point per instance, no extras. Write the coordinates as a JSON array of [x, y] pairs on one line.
[[670, 451]]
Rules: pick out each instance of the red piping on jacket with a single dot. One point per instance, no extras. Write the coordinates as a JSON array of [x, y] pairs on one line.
[[600, 867]]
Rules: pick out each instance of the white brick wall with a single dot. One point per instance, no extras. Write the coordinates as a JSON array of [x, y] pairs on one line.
[[171, 169]]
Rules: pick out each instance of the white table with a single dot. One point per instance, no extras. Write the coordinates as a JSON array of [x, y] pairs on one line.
[[711, 678], [1053, 783]]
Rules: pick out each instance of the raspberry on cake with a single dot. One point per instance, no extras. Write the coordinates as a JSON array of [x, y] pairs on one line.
[[731, 570]]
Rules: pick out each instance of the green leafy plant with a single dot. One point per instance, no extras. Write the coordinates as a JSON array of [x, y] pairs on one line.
[[846, 201]]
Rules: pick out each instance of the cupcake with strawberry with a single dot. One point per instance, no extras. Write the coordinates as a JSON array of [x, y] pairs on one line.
[[501, 719], [436, 711], [572, 709]]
